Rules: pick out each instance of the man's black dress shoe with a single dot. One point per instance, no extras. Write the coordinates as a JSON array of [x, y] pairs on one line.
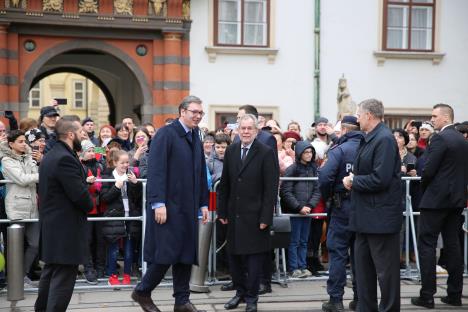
[[451, 301], [264, 288], [421, 302], [146, 303], [251, 307], [188, 307], [228, 287], [233, 303]]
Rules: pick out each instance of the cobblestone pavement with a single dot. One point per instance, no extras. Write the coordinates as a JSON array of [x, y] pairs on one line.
[[297, 296]]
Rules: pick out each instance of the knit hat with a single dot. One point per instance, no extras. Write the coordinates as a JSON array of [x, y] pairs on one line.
[[33, 135], [87, 119], [320, 120], [428, 126], [86, 145], [291, 134]]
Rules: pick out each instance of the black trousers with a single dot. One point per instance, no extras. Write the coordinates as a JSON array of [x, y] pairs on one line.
[[56, 287], [246, 271], [97, 247], [377, 257], [431, 223], [154, 275]]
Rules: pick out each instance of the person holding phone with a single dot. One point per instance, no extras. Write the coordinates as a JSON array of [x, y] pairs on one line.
[[37, 142], [140, 150]]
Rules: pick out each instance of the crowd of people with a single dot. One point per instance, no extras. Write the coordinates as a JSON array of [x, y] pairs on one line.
[[359, 189]]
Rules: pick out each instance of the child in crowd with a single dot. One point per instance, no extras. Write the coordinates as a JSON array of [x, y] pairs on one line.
[[94, 268], [121, 199], [300, 197], [215, 161]]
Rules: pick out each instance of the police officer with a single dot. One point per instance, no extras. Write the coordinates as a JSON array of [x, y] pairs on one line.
[[339, 238]]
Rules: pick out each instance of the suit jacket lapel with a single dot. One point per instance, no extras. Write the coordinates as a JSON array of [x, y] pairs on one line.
[[250, 154]]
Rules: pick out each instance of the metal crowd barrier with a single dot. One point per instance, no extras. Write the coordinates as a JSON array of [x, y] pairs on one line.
[[212, 262]]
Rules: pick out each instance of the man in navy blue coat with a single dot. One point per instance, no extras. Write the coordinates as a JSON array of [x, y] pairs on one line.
[[177, 190], [339, 238], [376, 214]]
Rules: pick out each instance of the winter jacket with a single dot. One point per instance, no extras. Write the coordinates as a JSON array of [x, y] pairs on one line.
[[297, 194], [112, 204], [94, 168], [215, 165], [21, 196]]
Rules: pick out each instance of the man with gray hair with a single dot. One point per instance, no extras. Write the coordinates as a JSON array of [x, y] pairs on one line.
[[247, 195], [375, 214]]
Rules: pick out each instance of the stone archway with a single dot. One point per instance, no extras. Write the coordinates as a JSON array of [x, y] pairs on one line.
[[88, 51]]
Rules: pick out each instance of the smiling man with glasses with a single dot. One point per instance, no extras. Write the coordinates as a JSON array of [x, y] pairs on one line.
[[177, 191]]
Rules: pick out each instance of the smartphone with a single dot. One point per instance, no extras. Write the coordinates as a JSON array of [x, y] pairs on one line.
[[35, 148], [61, 101], [410, 167], [231, 126]]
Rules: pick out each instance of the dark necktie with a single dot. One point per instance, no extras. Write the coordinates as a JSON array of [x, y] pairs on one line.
[[244, 153], [189, 136]]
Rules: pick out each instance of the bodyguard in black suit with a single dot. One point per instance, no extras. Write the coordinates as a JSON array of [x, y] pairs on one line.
[[63, 207], [247, 195], [375, 213], [444, 184]]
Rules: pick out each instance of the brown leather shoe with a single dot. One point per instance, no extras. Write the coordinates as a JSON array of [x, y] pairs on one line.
[[146, 303], [188, 307]]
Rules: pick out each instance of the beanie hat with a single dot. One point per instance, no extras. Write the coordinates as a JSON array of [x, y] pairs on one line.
[[87, 119], [33, 135], [291, 134], [86, 145], [428, 126]]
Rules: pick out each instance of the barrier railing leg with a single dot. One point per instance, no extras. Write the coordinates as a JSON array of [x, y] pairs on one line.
[[407, 226], [143, 230], [15, 259], [415, 239], [197, 278]]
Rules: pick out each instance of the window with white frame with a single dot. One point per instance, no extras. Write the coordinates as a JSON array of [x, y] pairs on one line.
[[79, 93], [409, 25], [242, 23], [35, 96]]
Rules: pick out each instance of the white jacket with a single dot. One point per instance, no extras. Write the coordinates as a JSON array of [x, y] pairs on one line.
[[21, 196]]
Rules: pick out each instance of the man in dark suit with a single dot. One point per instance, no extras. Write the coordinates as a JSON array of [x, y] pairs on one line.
[[63, 207], [247, 195], [375, 215], [177, 191], [444, 183], [268, 139]]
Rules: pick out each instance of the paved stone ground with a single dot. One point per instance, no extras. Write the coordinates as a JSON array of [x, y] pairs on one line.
[[298, 296]]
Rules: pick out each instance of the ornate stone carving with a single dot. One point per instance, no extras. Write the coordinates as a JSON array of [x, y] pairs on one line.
[[124, 7], [346, 106], [88, 6], [52, 5], [159, 7], [17, 4], [186, 8]]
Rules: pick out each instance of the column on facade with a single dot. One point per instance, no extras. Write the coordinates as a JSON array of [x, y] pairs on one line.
[[13, 73], [4, 54], [170, 85]]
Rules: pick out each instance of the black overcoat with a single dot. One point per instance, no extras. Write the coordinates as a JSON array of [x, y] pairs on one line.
[[176, 177], [247, 197], [64, 202], [445, 175], [376, 191]]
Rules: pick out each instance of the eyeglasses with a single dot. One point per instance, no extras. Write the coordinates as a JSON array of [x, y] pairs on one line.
[[195, 112]]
